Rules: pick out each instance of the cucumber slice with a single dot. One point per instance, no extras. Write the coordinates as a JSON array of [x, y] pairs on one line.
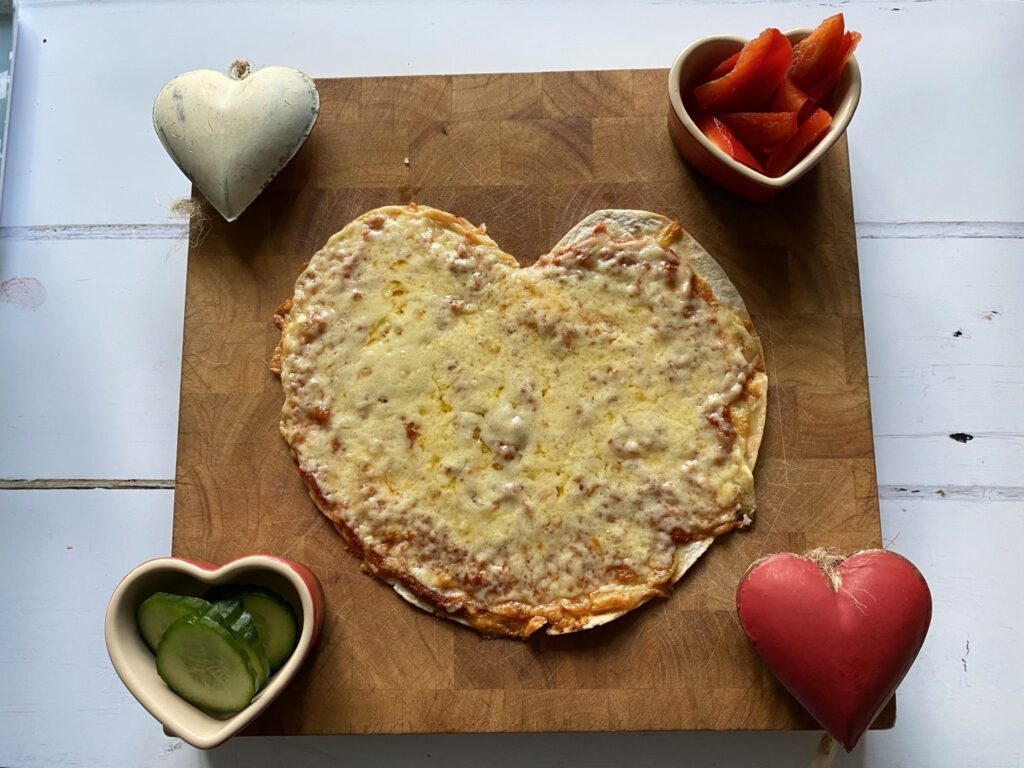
[[161, 609], [224, 612], [206, 665], [244, 627], [229, 614], [275, 620]]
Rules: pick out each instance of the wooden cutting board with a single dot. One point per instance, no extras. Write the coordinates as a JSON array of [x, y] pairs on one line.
[[529, 155]]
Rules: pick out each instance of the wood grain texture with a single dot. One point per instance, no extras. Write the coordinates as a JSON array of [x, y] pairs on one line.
[[528, 155]]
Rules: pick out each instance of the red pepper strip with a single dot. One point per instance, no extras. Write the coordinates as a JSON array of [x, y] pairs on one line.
[[820, 90], [807, 135], [723, 68], [720, 135], [762, 130], [762, 64], [817, 53], [789, 98]]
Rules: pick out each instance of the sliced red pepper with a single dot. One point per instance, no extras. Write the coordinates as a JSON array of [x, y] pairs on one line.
[[807, 135], [816, 54], [761, 130], [720, 135], [820, 89], [789, 98], [722, 69], [761, 65]]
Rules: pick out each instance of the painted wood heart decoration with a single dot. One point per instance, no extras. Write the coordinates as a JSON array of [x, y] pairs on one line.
[[839, 633], [231, 135]]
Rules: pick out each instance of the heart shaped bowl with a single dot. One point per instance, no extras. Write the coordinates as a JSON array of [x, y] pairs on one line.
[[712, 162], [136, 665]]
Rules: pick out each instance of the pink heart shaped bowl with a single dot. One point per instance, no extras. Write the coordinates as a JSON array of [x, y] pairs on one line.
[[136, 665], [697, 149]]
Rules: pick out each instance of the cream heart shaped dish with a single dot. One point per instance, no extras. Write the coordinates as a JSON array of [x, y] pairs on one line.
[[135, 663], [712, 162], [232, 135], [522, 448]]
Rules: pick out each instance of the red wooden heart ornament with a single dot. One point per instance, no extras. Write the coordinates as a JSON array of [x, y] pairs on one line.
[[839, 633]]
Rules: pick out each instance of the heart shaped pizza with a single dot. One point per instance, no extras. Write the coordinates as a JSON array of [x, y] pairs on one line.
[[522, 448]]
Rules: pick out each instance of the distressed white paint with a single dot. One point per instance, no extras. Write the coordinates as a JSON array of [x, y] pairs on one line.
[[63, 554], [90, 378], [928, 382], [960, 703], [66, 707], [931, 84], [925, 383]]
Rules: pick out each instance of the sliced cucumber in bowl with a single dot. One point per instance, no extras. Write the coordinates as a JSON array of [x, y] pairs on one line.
[[276, 623], [229, 614], [224, 612], [206, 665], [161, 609], [218, 653]]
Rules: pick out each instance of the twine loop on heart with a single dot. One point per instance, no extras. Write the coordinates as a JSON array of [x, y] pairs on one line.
[[825, 754], [191, 210], [239, 69], [828, 559]]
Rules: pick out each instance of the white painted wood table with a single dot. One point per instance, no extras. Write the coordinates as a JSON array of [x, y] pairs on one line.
[[91, 351]]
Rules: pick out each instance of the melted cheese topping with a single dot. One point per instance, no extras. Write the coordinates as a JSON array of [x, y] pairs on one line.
[[515, 442]]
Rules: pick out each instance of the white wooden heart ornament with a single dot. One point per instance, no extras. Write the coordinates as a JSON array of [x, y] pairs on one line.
[[230, 135]]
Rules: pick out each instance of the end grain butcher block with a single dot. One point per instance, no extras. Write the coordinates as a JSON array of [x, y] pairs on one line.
[[529, 155]]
